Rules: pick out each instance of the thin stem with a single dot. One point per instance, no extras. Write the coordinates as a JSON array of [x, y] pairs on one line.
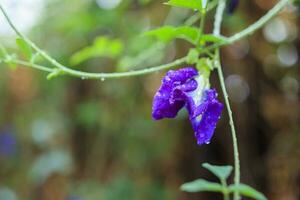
[[219, 17], [225, 190], [212, 5], [192, 20], [201, 28], [232, 127], [87, 75], [217, 30], [32, 65]]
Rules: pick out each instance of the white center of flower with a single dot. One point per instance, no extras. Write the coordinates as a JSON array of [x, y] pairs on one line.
[[203, 84]]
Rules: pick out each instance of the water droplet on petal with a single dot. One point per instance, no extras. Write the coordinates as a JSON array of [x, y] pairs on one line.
[[207, 142]]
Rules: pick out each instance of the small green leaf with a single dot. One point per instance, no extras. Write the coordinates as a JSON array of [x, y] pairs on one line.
[[191, 4], [24, 47], [102, 47], [222, 172], [168, 33], [192, 56], [201, 185], [247, 191]]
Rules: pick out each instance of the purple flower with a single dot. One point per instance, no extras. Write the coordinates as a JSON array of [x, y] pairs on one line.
[[186, 88], [233, 4]]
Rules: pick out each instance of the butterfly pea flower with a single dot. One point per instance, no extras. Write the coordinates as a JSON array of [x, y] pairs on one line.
[[186, 88]]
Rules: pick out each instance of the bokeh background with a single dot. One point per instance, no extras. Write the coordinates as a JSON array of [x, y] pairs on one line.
[[73, 139]]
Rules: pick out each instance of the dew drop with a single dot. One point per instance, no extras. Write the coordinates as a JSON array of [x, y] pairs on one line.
[[207, 142], [102, 79], [82, 78]]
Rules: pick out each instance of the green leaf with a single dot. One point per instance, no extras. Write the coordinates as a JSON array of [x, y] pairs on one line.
[[247, 191], [102, 47], [201, 185], [168, 33], [222, 172], [191, 4], [192, 56], [24, 47]]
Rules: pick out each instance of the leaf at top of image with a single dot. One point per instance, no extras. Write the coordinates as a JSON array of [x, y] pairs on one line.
[[191, 4], [169, 33]]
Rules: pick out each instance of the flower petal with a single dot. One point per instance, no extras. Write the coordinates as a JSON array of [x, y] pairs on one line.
[[163, 104], [208, 114]]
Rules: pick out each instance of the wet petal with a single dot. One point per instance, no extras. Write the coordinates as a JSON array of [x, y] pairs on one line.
[[166, 104], [204, 123]]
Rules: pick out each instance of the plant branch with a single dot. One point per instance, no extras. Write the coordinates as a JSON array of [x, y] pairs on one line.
[[201, 28], [225, 190], [32, 65]]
